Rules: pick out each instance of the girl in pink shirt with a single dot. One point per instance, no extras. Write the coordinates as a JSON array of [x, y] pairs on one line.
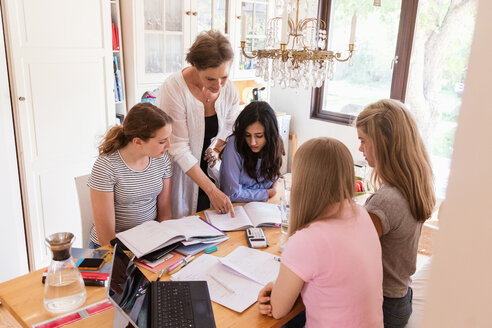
[[333, 255]]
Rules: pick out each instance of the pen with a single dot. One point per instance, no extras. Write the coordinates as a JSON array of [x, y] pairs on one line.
[[178, 263], [160, 275], [190, 258], [222, 284]]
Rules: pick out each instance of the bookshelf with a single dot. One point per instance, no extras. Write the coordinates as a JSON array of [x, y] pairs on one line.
[[118, 67]]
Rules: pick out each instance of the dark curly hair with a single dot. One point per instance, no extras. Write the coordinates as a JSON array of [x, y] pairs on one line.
[[271, 153]]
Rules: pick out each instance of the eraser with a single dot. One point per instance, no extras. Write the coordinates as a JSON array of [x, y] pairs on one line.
[[210, 249]]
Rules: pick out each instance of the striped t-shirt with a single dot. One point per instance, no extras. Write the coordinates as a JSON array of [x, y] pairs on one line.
[[135, 192]]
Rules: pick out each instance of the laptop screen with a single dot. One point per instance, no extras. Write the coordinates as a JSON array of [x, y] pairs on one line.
[[128, 289]]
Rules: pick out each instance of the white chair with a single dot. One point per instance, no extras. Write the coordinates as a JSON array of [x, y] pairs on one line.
[[83, 192]]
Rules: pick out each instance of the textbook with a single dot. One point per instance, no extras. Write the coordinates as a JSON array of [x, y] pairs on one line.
[[152, 235], [251, 215]]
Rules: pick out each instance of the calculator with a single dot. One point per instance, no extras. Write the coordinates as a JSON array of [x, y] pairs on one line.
[[256, 238]]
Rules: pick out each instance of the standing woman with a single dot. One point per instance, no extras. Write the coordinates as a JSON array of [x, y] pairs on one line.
[[252, 158], [404, 199], [204, 105], [130, 181]]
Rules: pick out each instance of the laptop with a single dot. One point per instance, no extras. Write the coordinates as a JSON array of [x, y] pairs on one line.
[[157, 304]]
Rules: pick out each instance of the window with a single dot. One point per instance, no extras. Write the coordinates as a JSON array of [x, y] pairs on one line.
[[431, 40], [375, 71]]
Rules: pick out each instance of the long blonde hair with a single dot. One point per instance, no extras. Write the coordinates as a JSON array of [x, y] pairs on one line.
[[322, 175], [401, 159]]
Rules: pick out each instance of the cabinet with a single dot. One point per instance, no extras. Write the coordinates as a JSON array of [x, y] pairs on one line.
[[61, 80], [158, 33]]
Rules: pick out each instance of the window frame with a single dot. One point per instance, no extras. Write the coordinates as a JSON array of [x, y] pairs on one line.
[[404, 42]]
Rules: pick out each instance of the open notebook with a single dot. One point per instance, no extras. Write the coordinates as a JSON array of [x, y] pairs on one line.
[[152, 235], [234, 281], [254, 214]]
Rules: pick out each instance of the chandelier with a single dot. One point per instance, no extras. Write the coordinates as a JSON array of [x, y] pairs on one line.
[[296, 58]]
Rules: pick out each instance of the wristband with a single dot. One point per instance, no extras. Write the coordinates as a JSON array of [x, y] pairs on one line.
[[216, 150]]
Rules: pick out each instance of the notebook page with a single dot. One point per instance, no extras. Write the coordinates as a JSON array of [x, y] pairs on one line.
[[147, 237], [227, 223], [263, 213], [257, 265], [225, 286], [192, 226]]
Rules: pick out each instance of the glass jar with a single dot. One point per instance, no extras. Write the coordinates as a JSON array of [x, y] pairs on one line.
[[64, 288]]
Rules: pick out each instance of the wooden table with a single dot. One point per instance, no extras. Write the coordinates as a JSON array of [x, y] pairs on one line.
[[23, 296]]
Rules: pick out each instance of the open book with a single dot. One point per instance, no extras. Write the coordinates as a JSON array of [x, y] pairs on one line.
[[152, 235], [254, 214], [233, 281]]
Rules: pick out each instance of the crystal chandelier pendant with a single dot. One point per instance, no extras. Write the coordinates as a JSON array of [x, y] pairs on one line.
[[294, 54]]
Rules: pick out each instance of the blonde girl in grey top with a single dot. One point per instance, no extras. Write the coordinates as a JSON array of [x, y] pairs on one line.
[[131, 179], [404, 197]]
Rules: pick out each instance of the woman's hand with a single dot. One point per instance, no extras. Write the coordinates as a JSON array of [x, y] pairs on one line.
[[211, 156], [220, 202], [264, 305], [273, 190]]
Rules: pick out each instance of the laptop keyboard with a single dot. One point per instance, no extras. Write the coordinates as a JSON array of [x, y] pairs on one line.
[[171, 305]]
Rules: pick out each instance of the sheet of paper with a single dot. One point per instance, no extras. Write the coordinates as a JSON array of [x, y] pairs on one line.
[[262, 267], [227, 223], [225, 286]]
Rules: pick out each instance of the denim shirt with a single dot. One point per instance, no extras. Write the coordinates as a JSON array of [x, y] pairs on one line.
[[235, 181]]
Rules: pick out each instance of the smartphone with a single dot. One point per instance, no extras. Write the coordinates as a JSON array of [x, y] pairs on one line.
[[91, 264]]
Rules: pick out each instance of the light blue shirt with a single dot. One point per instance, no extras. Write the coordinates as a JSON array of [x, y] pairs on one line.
[[235, 181]]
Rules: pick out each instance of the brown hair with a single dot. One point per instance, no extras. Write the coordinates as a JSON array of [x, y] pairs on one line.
[[401, 159], [210, 50], [141, 122], [322, 176]]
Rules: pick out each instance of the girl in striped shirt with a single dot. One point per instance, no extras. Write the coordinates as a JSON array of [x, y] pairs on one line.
[[131, 179]]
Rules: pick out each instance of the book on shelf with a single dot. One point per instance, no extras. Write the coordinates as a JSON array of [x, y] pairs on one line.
[[254, 214], [117, 78], [115, 36], [235, 280], [152, 235]]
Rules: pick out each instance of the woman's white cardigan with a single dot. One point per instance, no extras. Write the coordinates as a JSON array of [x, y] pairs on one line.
[[188, 114]]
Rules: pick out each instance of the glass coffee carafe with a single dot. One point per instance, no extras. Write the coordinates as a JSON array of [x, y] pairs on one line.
[[64, 288]]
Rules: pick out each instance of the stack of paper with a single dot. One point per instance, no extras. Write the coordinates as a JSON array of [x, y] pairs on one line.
[[233, 281]]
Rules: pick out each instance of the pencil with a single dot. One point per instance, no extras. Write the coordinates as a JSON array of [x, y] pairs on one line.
[[160, 275]]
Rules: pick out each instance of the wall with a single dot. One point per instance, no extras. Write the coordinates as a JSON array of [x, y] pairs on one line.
[[460, 286], [12, 239], [297, 103]]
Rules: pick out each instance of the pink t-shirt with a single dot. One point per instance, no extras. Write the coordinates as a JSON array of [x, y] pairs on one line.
[[339, 260]]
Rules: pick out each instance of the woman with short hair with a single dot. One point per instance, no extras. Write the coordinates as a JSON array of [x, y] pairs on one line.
[[204, 105]]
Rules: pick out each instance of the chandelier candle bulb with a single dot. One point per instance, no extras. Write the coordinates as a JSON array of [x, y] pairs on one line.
[[352, 30], [285, 26], [243, 26]]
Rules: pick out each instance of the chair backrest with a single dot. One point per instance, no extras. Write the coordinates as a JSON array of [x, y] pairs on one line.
[[83, 192]]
